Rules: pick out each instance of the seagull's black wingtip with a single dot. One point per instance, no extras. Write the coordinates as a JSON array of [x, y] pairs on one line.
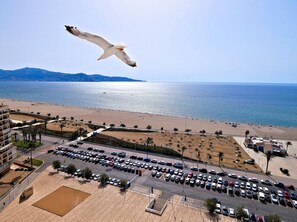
[[133, 65], [69, 28]]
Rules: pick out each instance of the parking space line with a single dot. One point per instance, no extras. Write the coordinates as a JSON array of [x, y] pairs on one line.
[[133, 178]]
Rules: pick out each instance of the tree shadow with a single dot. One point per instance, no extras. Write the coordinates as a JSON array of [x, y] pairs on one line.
[[83, 181], [53, 173], [101, 186], [212, 216], [67, 177], [122, 191]]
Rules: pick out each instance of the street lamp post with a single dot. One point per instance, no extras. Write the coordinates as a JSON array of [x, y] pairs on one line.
[[31, 158]]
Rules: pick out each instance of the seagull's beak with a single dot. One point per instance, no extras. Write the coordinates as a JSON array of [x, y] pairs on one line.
[[98, 59]]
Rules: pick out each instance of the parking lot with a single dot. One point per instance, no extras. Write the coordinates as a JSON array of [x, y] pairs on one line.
[[238, 186]]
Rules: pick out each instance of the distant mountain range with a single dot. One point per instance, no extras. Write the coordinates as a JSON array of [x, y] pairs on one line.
[[34, 74]]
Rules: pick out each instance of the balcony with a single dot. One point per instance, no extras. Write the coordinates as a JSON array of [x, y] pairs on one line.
[[5, 147]]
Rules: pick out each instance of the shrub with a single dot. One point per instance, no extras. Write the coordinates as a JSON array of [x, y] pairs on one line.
[[210, 205], [71, 169], [86, 173], [56, 164]]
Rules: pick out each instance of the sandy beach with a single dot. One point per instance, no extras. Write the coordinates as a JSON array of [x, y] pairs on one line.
[[130, 119]]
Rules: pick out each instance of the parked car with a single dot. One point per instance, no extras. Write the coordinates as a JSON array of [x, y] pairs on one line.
[[274, 199], [218, 208], [261, 196], [250, 161], [178, 165], [212, 172], [266, 182], [279, 185], [146, 159], [231, 212], [194, 168], [203, 170], [225, 211], [232, 175], [121, 154]]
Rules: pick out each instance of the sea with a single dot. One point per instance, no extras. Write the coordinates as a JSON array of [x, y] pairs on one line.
[[264, 104]]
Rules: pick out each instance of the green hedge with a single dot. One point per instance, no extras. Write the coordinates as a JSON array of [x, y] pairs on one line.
[[109, 140]]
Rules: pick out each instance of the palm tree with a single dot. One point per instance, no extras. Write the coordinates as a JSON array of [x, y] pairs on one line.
[[148, 141], [16, 136], [45, 125], [183, 150], [39, 134], [62, 125], [24, 132], [247, 133], [220, 155], [80, 131], [269, 156], [33, 134], [288, 143]]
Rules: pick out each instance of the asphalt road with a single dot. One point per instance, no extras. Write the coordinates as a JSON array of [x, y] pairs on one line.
[[286, 213]]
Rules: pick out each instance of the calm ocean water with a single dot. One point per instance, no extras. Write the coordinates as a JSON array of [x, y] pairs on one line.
[[268, 104]]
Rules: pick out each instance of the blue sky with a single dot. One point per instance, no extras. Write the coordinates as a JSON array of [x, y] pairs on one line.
[[171, 40]]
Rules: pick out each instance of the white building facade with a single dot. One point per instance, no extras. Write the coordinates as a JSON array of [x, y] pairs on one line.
[[7, 150]]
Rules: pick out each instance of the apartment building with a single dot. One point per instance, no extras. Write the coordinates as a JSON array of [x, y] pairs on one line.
[[7, 151]]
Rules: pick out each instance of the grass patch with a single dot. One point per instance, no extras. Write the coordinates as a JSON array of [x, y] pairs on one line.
[[26, 145], [35, 162]]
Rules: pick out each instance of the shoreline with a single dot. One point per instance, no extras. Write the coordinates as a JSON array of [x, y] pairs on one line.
[[142, 120]]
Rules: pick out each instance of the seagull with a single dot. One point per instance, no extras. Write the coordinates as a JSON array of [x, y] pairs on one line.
[[109, 49]]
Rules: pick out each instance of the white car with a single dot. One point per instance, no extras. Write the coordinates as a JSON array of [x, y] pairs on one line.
[[209, 179], [231, 212], [242, 193], [280, 193], [266, 190], [295, 203], [254, 180], [248, 186], [220, 180], [254, 187], [274, 199], [218, 208], [261, 196], [168, 176]]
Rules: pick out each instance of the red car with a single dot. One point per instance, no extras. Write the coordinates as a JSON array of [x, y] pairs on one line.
[[231, 183], [260, 218], [190, 174], [286, 195]]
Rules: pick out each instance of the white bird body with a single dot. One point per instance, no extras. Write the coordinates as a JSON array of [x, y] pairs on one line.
[[109, 49]]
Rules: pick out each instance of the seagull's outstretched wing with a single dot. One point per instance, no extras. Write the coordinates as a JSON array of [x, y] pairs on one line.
[[103, 43], [125, 58]]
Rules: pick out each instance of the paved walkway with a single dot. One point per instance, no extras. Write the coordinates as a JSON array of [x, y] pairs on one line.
[[104, 204]]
